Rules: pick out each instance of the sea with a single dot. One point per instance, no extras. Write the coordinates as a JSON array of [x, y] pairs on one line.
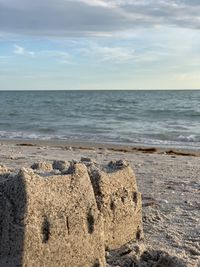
[[157, 118]]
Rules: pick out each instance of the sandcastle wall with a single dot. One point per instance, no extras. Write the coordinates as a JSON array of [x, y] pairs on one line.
[[67, 217]]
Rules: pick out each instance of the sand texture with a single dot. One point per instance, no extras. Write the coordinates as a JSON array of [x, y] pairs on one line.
[[170, 187]]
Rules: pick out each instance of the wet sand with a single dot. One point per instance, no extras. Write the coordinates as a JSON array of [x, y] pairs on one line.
[[169, 180]]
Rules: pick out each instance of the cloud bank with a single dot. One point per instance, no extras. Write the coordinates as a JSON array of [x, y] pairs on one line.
[[94, 17]]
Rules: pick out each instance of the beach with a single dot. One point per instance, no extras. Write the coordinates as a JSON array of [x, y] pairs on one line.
[[168, 180], [99, 133]]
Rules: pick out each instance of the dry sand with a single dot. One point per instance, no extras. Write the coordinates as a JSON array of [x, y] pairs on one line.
[[169, 182]]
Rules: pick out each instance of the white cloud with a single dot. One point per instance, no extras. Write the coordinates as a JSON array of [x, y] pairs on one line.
[[60, 56], [124, 52], [112, 53], [188, 76], [96, 3], [19, 50]]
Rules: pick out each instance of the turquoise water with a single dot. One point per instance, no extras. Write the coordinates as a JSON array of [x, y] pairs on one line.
[[155, 118]]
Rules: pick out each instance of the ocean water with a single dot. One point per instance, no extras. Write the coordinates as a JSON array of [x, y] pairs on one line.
[[152, 118]]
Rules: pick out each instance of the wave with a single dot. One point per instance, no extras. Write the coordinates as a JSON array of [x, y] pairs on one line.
[[189, 138], [192, 141], [23, 135]]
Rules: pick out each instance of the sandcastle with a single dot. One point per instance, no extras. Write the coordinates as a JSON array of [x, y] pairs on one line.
[[67, 214], [119, 202]]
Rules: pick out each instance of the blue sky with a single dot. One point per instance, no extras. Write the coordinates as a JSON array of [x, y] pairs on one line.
[[98, 44]]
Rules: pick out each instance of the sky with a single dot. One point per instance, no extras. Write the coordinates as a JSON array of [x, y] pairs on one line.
[[99, 44]]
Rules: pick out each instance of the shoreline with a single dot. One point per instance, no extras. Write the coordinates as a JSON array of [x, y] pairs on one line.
[[84, 145]]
